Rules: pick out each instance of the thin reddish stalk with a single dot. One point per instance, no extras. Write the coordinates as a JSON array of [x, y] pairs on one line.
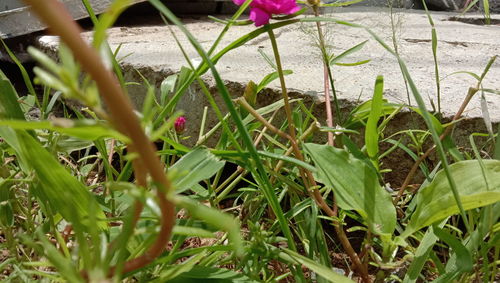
[[61, 23], [326, 82], [315, 194], [346, 244]]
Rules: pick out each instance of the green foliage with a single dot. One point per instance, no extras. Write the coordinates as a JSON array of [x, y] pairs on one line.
[[252, 203], [9, 107], [436, 202], [64, 193], [198, 165], [85, 129], [355, 185]]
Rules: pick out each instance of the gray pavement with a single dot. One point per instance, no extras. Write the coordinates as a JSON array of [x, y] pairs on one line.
[[461, 47]]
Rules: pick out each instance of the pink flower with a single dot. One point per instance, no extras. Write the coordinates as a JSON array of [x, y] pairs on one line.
[[261, 10], [180, 125]]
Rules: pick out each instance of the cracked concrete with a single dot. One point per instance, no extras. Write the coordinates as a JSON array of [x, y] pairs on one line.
[[461, 47]]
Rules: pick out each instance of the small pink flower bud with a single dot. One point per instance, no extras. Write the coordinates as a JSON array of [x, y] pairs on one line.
[[180, 125]]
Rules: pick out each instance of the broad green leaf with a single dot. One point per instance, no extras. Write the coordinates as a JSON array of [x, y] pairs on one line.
[[355, 185], [63, 192], [321, 270], [371, 133], [83, 129], [436, 201], [198, 165]]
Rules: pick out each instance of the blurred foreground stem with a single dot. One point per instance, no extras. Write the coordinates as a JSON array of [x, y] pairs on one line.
[[122, 116]]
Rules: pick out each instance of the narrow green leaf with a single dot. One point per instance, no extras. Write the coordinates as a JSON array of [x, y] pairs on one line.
[[349, 51], [173, 271], [464, 259], [341, 3], [267, 109], [167, 86], [9, 107], [292, 160], [64, 193], [362, 62], [271, 77], [321, 270], [107, 19], [496, 155], [198, 165], [422, 254], [64, 266], [192, 232], [215, 218], [83, 129], [24, 73], [201, 274], [371, 133], [355, 185]]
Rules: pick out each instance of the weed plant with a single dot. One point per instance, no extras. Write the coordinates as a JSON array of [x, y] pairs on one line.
[[106, 193]]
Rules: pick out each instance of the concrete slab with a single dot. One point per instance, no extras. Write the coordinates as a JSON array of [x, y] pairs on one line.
[[17, 19], [461, 47]]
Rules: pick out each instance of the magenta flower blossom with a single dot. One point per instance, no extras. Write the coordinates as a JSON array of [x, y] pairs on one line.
[[180, 125], [261, 10]]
